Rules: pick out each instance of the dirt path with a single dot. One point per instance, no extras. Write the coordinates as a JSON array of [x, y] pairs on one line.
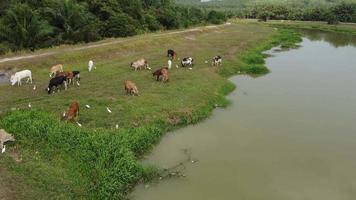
[[24, 57]]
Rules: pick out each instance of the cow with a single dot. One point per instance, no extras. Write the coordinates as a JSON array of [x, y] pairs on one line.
[[56, 68], [57, 81], [138, 64], [169, 64], [68, 74], [5, 137], [76, 76], [18, 76], [161, 72], [130, 87], [217, 61], [171, 54], [188, 61], [72, 113], [91, 65]]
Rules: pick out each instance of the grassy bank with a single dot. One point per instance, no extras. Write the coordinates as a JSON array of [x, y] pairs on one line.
[[344, 28], [63, 161]]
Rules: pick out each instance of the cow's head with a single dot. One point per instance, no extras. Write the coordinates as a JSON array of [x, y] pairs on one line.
[[8, 137], [13, 80]]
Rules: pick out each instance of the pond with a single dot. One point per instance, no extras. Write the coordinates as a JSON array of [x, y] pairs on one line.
[[288, 135]]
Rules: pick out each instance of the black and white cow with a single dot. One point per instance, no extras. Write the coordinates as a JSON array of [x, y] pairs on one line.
[[217, 60], [189, 61], [57, 81], [76, 75]]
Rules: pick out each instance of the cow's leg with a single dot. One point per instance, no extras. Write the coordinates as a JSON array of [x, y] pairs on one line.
[[65, 85]]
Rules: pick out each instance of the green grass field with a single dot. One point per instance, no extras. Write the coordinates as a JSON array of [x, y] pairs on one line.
[[63, 161], [103, 88]]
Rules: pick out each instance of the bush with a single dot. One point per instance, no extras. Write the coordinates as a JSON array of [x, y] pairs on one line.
[[168, 18], [121, 25], [30, 33], [4, 48], [216, 17], [152, 23]]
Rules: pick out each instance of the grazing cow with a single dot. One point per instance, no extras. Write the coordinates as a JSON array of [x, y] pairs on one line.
[[171, 54], [169, 64], [18, 76], [217, 60], [90, 65], [57, 81], [5, 137], [130, 87], [141, 63], [189, 61], [55, 69], [69, 76], [76, 75], [161, 72], [72, 113]]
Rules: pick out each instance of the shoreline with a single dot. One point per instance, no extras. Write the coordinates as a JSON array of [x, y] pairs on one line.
[[150, 134]]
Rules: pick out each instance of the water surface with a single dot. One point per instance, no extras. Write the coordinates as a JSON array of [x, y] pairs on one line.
[[289, 135]]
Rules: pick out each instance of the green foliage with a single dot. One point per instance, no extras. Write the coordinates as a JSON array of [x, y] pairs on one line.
[[22, 27], [120, 25], [216, 17], [4, 48], [54, 22], [254, 59], [106, 160]]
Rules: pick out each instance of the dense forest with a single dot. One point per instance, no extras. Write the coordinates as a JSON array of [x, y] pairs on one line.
[[33, 24]]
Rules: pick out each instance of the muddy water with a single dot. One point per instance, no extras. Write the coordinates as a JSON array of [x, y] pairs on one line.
[[4, 78], [289, 135]]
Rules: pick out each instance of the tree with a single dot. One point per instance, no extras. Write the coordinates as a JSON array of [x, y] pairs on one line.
[[121, 25], [216, 17], [345, 11], [68, 17], [22, 28]]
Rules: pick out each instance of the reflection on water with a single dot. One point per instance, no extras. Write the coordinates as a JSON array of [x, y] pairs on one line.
[[4, 78], [336, 39], [289, 135]]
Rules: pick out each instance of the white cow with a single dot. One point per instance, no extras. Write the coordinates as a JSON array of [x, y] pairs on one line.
[[169, 64], [90, 65], [141, 63], [18, 76]]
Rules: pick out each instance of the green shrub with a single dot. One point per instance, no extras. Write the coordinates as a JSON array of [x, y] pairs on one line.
[[121, 25], [4, 48]]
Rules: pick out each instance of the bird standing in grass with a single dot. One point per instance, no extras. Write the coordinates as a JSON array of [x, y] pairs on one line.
[[108, 109]]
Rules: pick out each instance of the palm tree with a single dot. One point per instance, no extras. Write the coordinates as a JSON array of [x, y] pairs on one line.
[[67, 16], [22, 28]]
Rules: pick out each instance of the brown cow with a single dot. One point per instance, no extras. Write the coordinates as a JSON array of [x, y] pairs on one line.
[[72, 113], [69, 75], [161, 72], [130, 87]]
